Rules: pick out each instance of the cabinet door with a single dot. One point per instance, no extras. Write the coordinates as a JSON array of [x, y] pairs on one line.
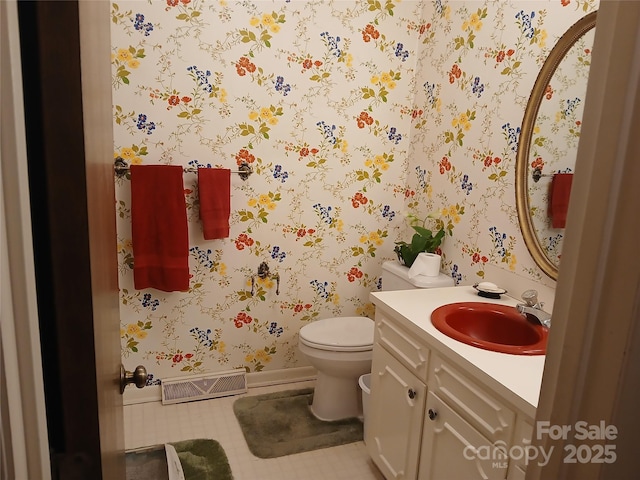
[[516, 472], [522, 440], [474, 402], [453, 449], [395, 418]]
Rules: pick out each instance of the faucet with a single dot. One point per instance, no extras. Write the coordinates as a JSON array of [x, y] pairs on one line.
[[533, 308]]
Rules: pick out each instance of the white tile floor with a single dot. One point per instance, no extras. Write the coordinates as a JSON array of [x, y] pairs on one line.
[[153, 423]]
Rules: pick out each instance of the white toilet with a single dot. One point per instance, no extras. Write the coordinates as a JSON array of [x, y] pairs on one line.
[[340, 348]]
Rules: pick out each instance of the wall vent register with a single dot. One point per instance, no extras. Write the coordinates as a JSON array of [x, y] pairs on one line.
[[202, 387]]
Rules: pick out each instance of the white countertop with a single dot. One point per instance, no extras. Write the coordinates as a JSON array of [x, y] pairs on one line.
[[517, 377]]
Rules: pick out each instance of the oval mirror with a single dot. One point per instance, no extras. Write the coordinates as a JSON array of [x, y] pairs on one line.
[[549, 140]]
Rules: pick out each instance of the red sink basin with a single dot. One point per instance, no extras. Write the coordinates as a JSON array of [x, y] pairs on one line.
[[490, 326]]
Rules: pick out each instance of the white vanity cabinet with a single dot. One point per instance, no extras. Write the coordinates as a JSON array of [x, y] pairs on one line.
[[464, 428], [445, 440], [522, 439], [396, 413], [398, 375], [429, 419]]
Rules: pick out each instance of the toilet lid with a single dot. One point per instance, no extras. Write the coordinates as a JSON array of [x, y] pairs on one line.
[[353, 334]]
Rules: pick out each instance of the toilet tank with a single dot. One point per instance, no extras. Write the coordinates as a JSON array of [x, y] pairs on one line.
[[396, 277]]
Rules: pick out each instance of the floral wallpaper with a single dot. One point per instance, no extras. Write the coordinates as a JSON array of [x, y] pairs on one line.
[[351, 114]]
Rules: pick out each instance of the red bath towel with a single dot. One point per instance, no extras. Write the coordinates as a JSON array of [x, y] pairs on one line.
[[159, 228], [559, 194], [214, 186]]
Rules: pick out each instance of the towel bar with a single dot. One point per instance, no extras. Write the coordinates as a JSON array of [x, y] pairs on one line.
[[537, 174], [121, 167]]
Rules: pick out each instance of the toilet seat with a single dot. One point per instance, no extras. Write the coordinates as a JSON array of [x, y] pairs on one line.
[[339, 334]]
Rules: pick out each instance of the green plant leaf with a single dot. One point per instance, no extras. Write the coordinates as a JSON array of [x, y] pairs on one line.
[[418, 243]]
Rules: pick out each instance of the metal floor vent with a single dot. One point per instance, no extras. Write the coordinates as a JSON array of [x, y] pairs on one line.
[[202, 387]]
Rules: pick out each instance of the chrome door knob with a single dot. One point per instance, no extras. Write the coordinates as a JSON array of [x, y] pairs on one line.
[[138, 377]]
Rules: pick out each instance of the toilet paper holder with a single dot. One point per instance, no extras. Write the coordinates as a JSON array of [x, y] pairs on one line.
[[264, 272]]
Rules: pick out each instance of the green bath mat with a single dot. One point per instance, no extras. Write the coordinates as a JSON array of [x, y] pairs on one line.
[[201, 459], [281, 423]]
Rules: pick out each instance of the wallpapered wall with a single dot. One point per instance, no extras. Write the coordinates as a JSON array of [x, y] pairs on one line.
[[351, 114]]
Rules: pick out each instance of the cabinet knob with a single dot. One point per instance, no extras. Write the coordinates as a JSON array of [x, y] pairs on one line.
[[432, 414], [412, 393]]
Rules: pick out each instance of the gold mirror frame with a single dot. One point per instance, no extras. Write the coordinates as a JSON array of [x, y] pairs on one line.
[[570, 37]]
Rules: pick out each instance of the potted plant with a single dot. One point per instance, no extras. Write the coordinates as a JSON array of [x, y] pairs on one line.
[[423, 240]]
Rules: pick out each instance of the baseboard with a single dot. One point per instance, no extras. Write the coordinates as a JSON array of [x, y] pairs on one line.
[[278, 377], [153, 393], [133, 395]]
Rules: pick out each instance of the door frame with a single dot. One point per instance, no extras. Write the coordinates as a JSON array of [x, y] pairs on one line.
[[24, 446], [68, 134]]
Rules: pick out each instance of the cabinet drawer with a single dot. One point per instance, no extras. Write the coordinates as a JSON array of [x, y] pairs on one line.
[[472, 402], [401, 344]]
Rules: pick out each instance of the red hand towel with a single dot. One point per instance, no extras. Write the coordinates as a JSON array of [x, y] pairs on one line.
[[559, 198], [159, 228], [214, 185]]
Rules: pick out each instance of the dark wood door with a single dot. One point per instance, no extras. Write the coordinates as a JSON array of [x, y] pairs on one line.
[[73, 216]]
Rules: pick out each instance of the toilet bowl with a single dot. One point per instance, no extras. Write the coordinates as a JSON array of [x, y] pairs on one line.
[[340, 348]]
